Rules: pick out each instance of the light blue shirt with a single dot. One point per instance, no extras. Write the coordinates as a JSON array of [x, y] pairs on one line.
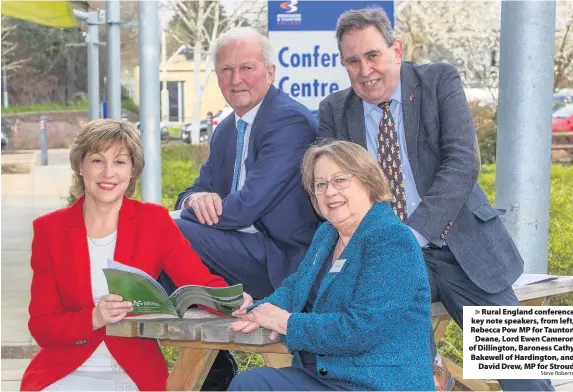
[[249, 118], [372, 118]]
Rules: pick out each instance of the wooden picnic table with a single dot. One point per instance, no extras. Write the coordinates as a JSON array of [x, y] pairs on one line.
[[200, 336]]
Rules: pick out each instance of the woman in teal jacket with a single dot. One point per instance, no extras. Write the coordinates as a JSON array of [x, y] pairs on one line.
[[356, 314]]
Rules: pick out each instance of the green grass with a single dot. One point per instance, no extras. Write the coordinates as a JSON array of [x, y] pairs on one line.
[[126, 104], [174, 132], [44, 108]]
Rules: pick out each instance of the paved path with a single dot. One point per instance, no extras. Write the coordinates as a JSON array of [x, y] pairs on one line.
[[24, 198]]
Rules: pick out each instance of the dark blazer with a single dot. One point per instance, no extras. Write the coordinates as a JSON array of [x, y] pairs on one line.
[[273, 198], [61, 302], [371, 322], [442, 149]]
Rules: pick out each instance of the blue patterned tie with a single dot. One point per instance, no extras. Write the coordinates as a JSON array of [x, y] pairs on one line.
[[241, 128]]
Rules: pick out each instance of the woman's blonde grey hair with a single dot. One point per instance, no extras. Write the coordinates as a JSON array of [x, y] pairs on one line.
[[353, 159], [98, 136]]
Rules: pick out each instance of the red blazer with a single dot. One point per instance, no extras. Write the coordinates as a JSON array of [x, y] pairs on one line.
[[61, 300]]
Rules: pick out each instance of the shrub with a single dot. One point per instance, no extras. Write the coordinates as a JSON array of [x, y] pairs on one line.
[[128, 104], [485, 120]]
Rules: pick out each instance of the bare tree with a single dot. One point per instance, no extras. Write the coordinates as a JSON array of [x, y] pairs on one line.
[[9, 46], [564, 46], [467, 34], [198, 24], [461, 33]]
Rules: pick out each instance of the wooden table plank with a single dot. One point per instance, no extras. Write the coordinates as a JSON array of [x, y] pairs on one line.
[[276, 348]]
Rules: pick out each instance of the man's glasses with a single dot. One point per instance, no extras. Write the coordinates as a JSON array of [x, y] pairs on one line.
[[341, 181]]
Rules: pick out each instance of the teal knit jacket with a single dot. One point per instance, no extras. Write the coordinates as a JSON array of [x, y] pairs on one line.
[[371, 323]]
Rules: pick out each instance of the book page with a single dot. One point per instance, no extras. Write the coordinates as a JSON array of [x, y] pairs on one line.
[[122, 267], [145, 296], [221, 299]]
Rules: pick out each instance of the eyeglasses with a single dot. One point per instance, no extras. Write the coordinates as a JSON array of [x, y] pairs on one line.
[[341, 181]]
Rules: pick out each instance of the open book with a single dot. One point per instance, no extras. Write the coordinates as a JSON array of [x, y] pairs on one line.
[[148, 297]]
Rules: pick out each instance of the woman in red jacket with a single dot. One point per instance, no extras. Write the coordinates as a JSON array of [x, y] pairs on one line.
[[70, 303]]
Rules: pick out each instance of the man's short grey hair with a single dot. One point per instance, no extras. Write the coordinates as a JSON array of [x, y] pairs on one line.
[[246, 34], [363, 18]]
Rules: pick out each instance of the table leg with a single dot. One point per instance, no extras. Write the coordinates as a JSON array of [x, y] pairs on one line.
[[439, 325], [191, 369], [277, 360]]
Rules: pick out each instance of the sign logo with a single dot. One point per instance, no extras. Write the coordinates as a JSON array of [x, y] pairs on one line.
[[289, 17], [290, 6]]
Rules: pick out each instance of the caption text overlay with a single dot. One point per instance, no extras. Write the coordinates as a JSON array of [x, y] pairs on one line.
[[525, 342]]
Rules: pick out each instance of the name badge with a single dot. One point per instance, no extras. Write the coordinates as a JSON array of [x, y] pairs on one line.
[[337, 266]]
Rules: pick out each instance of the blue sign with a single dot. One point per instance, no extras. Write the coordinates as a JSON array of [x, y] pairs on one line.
[[303, 34], [301, 15]]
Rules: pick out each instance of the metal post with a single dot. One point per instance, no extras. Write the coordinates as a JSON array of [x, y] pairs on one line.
[[164, 92], [149, 100], [4, 87], [43, 141], [209, 126], [180, 101], [524, 126], [113, 59], [92, 42]]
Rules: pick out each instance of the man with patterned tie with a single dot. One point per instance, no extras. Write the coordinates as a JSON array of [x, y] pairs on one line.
[[416, 121], [247, 214]]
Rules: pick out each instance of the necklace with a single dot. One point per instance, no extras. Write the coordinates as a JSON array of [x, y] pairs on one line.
[[101, 246]]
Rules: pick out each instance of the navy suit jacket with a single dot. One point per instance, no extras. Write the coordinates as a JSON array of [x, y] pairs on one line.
[[272, 198], [371, 323]]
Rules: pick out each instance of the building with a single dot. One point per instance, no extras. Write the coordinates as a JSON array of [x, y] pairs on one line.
[[180, 76]]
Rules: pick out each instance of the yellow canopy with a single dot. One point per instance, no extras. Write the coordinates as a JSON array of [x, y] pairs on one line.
[[50, 13]]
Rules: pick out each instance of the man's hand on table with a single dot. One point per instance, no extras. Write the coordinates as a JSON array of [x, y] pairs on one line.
[[207, 206]]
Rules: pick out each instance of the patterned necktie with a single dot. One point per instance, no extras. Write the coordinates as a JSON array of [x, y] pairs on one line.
[[241, 128], [389, 159]]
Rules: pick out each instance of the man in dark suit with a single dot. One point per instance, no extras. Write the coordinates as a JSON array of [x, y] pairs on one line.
[[415, 120], [247, 214]]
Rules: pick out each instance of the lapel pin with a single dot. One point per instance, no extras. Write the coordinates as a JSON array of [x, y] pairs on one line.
[[411, 97]]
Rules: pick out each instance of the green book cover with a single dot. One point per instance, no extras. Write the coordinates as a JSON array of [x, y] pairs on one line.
[[148, 297]]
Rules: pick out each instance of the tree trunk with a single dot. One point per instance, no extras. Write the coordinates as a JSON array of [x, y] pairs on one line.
[[197, 54]]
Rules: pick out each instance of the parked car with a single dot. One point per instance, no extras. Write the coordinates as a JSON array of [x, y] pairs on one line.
[[563, 122], [203, 136], [187, 128], [221, 115], [4, 140], [163, 126], [562, 98]]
